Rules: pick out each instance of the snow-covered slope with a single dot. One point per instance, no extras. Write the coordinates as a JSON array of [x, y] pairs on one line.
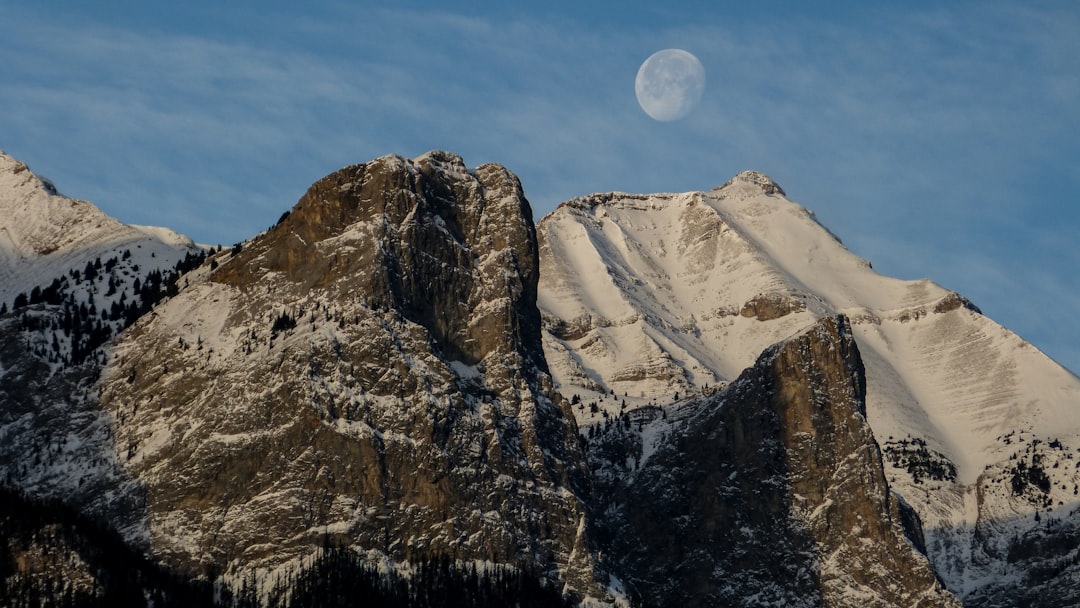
[[44, 235], [71, 279], [650, 299]]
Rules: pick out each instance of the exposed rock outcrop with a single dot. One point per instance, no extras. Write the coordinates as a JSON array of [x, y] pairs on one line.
[[769, 306], [368, 371], [774, 492], [954, 301], [450, 249], [762, 181]]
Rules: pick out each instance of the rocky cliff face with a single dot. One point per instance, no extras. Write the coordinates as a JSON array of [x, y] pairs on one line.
[[772, 492], [367, 373], [452, 250]]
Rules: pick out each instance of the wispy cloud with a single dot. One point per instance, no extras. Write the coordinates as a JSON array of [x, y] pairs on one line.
[[918, 136]]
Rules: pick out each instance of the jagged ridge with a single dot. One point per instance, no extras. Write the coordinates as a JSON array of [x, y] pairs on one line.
[[368, 374]]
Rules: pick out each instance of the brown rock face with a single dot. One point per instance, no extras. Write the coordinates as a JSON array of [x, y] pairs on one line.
[[451, 249], [774, 492], [769, 306], [954, 301], [368, 371]]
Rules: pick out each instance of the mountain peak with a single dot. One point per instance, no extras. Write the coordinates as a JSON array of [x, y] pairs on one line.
[[385, 334], [393, 228], [36, 220], [443, 159], [45, 235], [757, 179], [16, 175]]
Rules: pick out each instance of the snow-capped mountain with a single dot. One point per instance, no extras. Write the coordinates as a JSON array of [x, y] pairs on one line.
[[654, 299], [77, 275], [369, 372], [666, 399], [45, 235]]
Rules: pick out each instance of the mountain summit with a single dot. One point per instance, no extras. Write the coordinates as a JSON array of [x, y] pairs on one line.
[[661, 299], [686, 399], [44, 234], [366, 373]]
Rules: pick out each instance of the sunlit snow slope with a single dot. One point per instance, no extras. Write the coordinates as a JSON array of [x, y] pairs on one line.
[[45, 235], [652, 299]]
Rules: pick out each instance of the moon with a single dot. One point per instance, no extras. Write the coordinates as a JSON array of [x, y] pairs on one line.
[[669, 84]]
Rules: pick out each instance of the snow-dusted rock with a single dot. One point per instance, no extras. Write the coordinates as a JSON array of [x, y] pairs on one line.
[[367, 373], [406, 366], [771, 492]]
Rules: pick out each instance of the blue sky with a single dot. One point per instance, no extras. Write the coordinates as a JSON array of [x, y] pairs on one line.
[[938, 140]]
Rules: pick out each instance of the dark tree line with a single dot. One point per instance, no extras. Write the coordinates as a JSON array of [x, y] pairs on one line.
[[918, 460], [342, 578], [122, 577], [36, 536], [83, 325]]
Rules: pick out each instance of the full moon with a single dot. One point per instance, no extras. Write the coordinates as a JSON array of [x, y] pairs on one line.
[[669, 84]]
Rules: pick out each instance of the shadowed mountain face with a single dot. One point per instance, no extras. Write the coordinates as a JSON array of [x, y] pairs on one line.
[[772, 491]]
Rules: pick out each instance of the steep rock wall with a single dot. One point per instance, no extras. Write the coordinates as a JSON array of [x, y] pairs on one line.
[[773, 491], [367, 373]]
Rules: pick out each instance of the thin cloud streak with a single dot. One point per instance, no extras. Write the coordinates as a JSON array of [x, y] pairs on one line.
[[925, 126]]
